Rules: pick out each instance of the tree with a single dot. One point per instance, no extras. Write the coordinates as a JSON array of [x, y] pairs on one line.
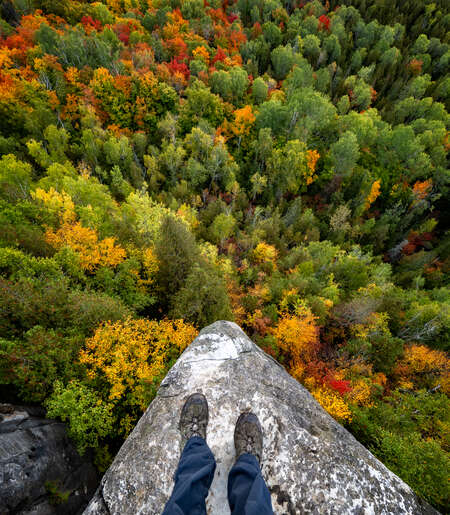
[[85, 243], [259, 90], [291, 168], [127, 358], [345, 153], [15, 178], [298, 338], [177, 252], [203, 299], [222, 228], [282, 60]]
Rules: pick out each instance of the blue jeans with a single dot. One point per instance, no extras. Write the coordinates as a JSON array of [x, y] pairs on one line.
[[247, 490]]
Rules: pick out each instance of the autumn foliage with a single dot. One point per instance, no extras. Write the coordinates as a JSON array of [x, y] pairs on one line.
[[131, 356], [167, 164]]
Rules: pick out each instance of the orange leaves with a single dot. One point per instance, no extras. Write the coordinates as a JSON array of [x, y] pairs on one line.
[[415, 65], [201, 53], [132, 354], [7, 87], [243, 120], [176, 25], [241, 126], [312, 156], [84, 242], [422, 189], [236, 39]]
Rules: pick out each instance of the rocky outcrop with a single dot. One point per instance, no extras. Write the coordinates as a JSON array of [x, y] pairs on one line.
[[41, 472], [311, 463]]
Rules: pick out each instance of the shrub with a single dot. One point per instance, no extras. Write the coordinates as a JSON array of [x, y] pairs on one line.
[[89, 418], [32, 365]]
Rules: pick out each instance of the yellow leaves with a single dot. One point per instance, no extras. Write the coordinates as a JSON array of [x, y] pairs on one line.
[[5, 60], [264, 254], [150, 267], [375, 323], [290, 299], [84, 242], [298, 336], [189, 215], [101, 75], [59, 203], [72, 75], [130, 355], [121, 6], [361, 393], [419, 359], [373, 195], [333, 403], [244, 118]]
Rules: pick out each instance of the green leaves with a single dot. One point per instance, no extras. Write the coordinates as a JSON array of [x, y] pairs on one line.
[[89, 418]]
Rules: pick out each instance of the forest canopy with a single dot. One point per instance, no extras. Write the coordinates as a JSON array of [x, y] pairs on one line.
[[280, 163]]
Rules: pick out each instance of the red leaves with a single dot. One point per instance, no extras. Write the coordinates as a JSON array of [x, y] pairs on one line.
[[220, 55], [176, 65], [342, 386], [256, 30], [123, 31], [324, 22], [89, 23]]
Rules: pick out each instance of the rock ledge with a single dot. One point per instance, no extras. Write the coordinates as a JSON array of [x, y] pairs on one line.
[[311, 464]]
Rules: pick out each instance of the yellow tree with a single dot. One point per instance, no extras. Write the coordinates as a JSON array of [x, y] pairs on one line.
[[85, 243], [128, 359], [298, 337]]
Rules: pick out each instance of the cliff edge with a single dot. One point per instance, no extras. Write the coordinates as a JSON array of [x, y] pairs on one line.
[[310, 462]]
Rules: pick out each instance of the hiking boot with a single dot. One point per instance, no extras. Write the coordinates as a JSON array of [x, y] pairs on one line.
[[194, 417], [248, 437]]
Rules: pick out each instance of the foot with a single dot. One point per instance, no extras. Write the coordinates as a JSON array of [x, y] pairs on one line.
[[248, 437], [194, 417]]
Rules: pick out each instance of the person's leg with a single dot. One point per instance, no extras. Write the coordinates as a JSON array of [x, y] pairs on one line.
[[247, 491], [193, 478], [196, 467]]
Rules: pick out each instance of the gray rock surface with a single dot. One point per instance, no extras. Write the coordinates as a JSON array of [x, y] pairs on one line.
[[310, 462], [37, 463]]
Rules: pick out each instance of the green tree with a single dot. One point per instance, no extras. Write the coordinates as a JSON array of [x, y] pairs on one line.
[[345, 153], [259, 90], [177, 252], [203, 299]]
